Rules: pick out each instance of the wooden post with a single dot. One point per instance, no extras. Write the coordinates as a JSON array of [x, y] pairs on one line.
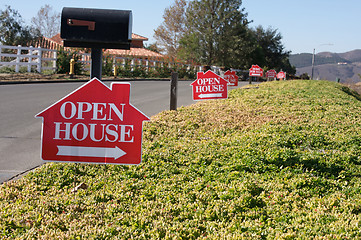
[[18, 59], [30, 53], [147, 65], [115, 72], [132, 64], [55, 56], [173, 91], [40, 56]]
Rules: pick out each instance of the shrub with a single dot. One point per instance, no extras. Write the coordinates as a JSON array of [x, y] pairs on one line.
[[281, 161], [107, 66], [305, 76], [125, 70], [139, 71], [7, 70], [63, 62]]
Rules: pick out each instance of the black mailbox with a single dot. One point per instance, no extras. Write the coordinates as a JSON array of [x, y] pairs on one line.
[[96, 28]]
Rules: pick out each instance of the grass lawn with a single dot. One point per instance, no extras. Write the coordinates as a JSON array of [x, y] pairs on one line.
[[281, 161]]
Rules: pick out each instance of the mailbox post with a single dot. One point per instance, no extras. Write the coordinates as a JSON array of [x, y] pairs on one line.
[[96, 29], [96, 65]]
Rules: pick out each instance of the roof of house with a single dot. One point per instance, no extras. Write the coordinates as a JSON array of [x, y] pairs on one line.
[[57, 39], [138, 37], [134, 52]]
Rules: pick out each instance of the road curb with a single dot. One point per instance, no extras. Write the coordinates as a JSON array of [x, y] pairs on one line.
[[84, 80], [21, 174]]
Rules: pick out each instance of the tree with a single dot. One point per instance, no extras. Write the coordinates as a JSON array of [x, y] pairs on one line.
[[63, 62], [153, 47], [169, 33], [216, 33], [47, 21], [12, 28], [269, 46]]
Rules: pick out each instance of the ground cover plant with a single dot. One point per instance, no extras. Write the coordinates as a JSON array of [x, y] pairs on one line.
[[280, 160]]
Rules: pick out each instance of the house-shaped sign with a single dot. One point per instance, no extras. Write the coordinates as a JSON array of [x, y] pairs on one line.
[[271, 73], [256, 71], [231, 77], [281, 75], [93, 124], [209, 86]]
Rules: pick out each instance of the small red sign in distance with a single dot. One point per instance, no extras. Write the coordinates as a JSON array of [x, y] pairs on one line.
[[209, 86], [281, 75], [256, 71], [231, 77], [271, 74]]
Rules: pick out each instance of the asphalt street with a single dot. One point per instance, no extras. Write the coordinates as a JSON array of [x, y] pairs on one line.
[[20, 131]]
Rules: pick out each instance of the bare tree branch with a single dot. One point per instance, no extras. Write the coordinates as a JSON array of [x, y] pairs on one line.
[[47, 21]]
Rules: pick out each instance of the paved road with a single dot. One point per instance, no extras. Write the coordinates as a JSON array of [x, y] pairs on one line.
[[20, 131]]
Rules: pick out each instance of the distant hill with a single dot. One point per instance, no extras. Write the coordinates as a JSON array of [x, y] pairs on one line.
[[353, 56], [301, 60], [330, 66]]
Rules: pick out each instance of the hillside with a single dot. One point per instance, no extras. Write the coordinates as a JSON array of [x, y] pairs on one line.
[[353, 56], [276, 161], [330, 66], [348, 73], [305, 59]]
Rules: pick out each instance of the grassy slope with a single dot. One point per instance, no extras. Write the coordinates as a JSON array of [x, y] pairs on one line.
[[281, 161]]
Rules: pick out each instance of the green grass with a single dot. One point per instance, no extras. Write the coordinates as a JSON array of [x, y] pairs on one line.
[[278, 162]]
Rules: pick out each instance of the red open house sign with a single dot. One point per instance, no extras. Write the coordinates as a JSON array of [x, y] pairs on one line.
[[271, 73], [281, 75], [231, 77], [93, 124], [209, 86], [256, 71]]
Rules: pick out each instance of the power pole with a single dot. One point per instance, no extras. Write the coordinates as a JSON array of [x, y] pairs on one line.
[[313, 63]]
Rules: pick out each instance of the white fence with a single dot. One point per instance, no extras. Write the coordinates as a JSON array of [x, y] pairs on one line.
[[40, 58], [151, 63], [134, 62]]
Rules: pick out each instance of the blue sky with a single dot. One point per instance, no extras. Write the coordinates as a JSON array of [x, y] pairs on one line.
[[304, 24]]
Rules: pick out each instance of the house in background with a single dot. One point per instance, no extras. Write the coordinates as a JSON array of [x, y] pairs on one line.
[[138, 55], [137, 49]]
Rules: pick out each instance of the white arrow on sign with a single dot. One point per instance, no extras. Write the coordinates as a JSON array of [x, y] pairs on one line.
[[210, 95], [90, 152]]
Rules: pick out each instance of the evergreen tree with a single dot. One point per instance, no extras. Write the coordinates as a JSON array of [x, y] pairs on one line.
[[269, 46], [216, 32]]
